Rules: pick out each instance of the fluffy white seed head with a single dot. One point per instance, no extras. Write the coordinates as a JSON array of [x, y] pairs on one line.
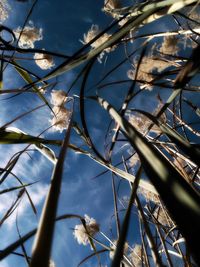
[[29, 35], [61, 119], [147, 67], [148, 195], [80, 233], [92, 33], [58, 97], [111, 4], [44, 61]]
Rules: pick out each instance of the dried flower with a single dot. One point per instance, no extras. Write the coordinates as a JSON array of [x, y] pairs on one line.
[[92, 33], [148, 195], [146, 69], [161, 216], [111, 4], [180, 163], [4, 10], [58, 97], [133, 160], [80, 232], [170, 45], [61, 119], [136, 255], [113, 248], [140, 122], [44, 61], [29, 35], [184, 168], [192, 13]]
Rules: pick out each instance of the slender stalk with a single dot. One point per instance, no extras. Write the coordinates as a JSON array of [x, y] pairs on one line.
[[152, 245], [43, 241]]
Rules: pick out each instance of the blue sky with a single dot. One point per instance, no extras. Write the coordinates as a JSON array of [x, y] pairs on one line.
[[64, 23]]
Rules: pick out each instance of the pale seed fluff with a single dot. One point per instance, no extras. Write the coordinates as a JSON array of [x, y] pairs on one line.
[[141, 123], [147, 67], [52, 263], [161, 216], [92, 33], [170, 45], [112, 4], [136, 255], [148, 195], [29, 35], [4, 10], [61, 119], [80, 233], [58, 97], [113, 246], [44, 61], [132, 162]]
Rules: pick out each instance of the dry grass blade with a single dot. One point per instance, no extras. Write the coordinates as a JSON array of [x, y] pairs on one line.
[[91, 255], [189, 70], [9, 250], [194, 107], [21, 116], [82, 108], [115, 206], [129, 177], [12, 135], [13, 206], [15, 188], [24, 74], [190, 149], [22, 245], [43, 241], [128, 98], [178, 196], [8, 171], [163, 244], [124, 229], [47, 152], [156, 257]]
